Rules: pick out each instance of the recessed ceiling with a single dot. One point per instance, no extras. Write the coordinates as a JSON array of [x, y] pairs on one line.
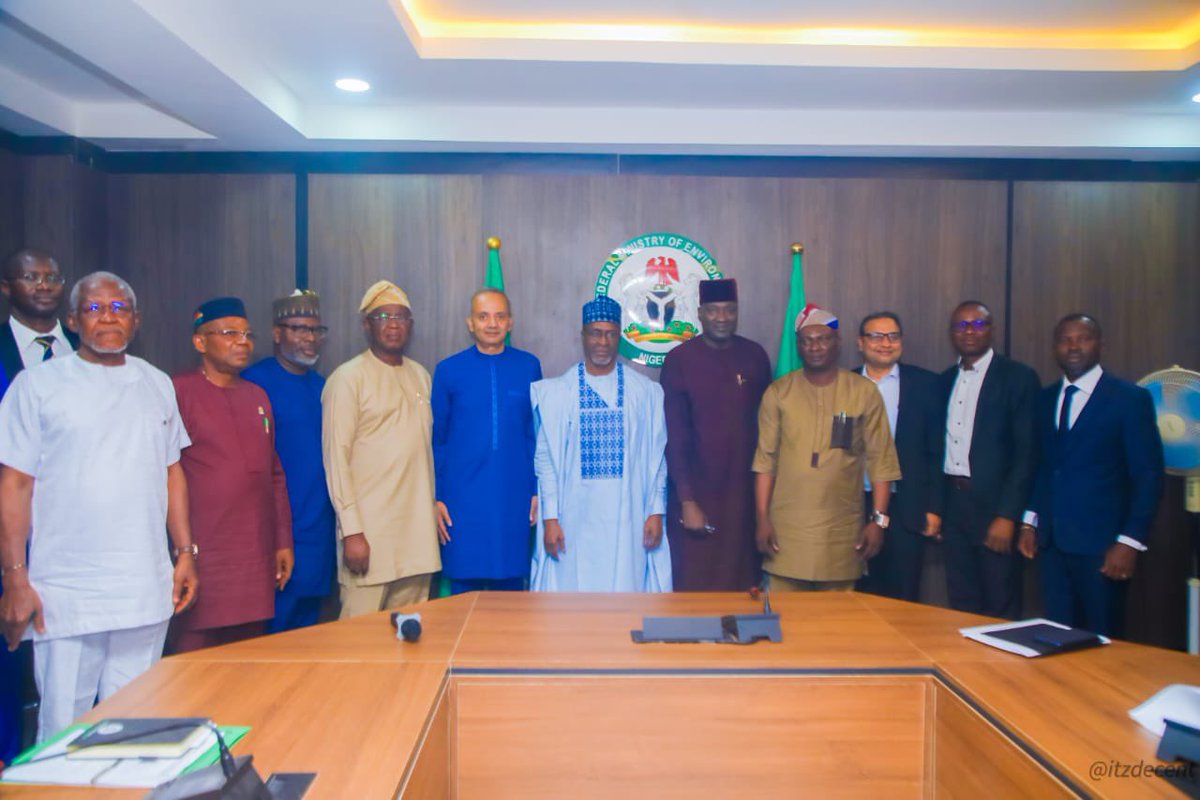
[[1072, 78]]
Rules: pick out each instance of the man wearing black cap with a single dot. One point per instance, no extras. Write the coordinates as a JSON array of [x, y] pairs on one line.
[[294, 388], [712, 387], [237, 496]]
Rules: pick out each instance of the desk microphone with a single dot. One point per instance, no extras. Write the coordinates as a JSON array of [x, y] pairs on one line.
[[408, 626]]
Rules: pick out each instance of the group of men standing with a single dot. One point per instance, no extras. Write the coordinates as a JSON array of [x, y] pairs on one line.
[[267, 478]]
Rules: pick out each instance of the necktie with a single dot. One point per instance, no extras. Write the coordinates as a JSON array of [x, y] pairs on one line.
[[1064, 414], [47, 342]]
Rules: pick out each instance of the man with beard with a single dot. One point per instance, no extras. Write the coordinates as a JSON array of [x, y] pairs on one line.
[[236, 488], [1098, 483], [377, 441], [483, 452], [294, 389], [602, 471], [712, 386], [90, 447], [820, 428]]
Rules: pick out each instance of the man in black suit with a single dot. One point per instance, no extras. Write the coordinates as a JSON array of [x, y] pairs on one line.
[[1098, 483], [990, 461], [34, 286], [916, 413]]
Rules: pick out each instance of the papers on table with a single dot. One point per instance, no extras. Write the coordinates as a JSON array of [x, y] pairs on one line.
[[48, 763], [1178, 702], [1012, 641]]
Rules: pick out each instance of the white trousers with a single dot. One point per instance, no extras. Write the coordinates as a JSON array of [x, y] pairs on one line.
[[73, 671]]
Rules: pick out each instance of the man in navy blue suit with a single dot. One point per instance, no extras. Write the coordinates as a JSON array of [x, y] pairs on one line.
[[1098, 483]]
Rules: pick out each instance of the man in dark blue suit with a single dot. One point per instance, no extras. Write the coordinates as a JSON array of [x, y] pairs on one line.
[[1098, 483], [916, 413], [990, 462]]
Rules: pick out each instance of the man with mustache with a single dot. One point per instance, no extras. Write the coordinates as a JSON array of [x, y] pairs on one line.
[[602, 471], [483, 453], [377, 442], [294, 389]]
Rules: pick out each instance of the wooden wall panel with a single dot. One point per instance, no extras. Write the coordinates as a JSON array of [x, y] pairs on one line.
[[12, 202], [1127, 252], [183, 239], [916, 247], [673, 737], [64, 213], [420, 231]]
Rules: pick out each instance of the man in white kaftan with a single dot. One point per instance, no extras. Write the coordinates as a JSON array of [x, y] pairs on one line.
[[602, 471]]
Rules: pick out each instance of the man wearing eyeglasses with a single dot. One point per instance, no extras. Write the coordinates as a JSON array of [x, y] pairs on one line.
[[33, 284], [91, 446], [819, 429], [989, 466], [34, 287], [294, 389], [915, 412], [237, 494], [377, 442]]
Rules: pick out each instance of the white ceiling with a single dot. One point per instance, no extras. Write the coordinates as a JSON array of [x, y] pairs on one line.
[[1064, 78]]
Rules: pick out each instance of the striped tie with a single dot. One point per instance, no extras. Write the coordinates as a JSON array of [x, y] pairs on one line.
[[47, 343]]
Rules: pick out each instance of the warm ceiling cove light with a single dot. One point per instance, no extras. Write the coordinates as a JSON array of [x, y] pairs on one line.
[[352, 84], [1196, 98]]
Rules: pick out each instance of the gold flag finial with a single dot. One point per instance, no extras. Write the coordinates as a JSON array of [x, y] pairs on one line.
[[797, 247], [493, 243]]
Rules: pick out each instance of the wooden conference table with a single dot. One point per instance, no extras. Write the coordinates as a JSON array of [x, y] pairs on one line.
[[545, 696]]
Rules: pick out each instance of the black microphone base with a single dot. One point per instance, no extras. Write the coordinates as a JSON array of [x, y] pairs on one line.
[[210, 783]]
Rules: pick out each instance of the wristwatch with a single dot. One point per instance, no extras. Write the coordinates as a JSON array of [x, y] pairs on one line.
[[881, 519], [193, 549]]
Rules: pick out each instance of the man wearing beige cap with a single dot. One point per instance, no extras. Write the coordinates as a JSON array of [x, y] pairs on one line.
[[376, 439], [819, 428]]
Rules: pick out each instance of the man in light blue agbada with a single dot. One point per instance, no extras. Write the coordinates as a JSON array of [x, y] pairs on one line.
[[602, 471]]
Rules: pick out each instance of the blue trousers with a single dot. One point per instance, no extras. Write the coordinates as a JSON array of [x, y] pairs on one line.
[[487, 585], [294, 611], [1075, 593]]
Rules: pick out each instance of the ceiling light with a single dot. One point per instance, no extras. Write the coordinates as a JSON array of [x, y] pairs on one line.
[[352, 85], [1196, 98]]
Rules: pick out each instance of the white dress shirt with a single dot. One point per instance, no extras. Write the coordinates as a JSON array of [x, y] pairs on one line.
[[960, 415], [32, 352], [889, 390]]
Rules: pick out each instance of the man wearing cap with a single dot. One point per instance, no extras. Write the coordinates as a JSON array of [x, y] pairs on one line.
[[712, 387], [376, 439], [237, 494], [602, 471], [483, 450], [294, 389], [90, 445], [820, 427]]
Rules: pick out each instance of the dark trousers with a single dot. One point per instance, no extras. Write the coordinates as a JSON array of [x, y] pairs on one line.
[[896, 571], [294, 611], [978, 580], [486, 585], [12, 682], [1075, 593]]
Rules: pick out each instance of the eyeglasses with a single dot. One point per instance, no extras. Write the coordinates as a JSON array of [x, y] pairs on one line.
[[118, 308], [42, 279], [964, 325], [232, 335], [383, 318], [315, 331], [877, 338]]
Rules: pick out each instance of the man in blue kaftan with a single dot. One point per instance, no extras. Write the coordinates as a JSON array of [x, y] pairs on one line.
[[602, 471], [294, 389], [483, 454]]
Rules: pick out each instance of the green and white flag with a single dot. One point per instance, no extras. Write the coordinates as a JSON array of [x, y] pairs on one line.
[[789, 357]]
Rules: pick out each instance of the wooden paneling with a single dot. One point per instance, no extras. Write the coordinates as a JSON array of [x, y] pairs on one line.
[[432, 776], [1127, 252], [183, 239], [690, 737], [972, 759], [12, 202], [64, 212], [420, 231]]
